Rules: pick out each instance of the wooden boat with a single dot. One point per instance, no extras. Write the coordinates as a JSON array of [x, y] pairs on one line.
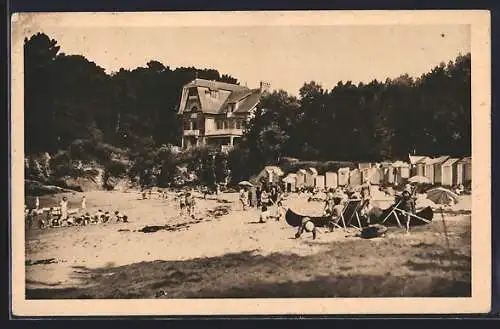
[[295, 219]]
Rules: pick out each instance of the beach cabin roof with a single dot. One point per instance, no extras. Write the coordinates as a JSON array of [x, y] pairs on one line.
[[415, 158], [425, 160], [399, 164], [302, 171], [450, 162], [439, 160], [313, 170], [466, 160], [290, 178]]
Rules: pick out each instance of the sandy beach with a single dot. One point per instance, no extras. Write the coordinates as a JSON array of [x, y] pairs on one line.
[[235, 256]]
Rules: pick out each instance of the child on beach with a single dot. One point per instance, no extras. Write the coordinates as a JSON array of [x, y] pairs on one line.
[[86, 219], [308, 226], [264, 215], [98, 216]]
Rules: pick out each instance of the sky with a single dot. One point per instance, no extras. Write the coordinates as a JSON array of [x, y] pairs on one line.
[[285, 56]]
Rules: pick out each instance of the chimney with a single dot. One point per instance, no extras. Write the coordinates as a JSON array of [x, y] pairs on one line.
[[264, 86]]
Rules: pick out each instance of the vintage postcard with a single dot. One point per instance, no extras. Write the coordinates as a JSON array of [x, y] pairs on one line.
[[227, 163]]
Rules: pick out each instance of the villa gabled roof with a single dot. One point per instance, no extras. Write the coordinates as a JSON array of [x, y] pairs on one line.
[[215, 85], [246, 98]]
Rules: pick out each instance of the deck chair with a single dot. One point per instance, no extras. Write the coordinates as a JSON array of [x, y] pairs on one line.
[[351, 213], [338, 222], [396, 212]]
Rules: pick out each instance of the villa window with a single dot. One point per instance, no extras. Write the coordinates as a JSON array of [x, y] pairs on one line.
[[219, 124], [194, 125], [192, 92], [187, 125]]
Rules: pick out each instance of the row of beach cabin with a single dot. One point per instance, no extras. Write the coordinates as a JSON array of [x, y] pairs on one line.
[[445, 171]]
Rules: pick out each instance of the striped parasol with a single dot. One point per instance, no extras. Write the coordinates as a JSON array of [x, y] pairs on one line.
[[442, 196]]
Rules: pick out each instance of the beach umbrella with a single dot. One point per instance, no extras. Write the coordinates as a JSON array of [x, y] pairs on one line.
[[419, 180], [442, 196], [245, 183]]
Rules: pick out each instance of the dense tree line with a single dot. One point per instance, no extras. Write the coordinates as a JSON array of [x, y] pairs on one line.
[[74, 110], [126, 120], [430, 115]]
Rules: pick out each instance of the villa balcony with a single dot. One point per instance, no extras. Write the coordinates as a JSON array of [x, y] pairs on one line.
[[225, 132], [192, 132]]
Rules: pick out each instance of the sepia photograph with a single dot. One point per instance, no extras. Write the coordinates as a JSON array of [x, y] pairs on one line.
[[250, 162]]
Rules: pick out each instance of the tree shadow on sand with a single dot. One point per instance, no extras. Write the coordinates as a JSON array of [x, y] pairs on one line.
[[330, 273]]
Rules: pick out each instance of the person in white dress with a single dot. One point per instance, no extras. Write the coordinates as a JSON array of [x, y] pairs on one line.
[[64, 208], [84, 202]]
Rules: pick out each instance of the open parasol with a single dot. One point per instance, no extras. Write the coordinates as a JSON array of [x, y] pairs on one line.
[[419, 180], [245, 183], [442, 196]]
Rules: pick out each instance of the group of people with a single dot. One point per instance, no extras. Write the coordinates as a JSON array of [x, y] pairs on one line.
[[337, 199], [59, 216], [148, 194], [264, 198], [187, 203]]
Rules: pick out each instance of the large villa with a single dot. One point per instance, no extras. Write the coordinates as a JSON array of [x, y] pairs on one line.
[[215, 113]]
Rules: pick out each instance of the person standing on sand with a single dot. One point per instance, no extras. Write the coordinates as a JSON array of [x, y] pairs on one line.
[[366, 204], [64, 209], [280, 208], [243, 198], [191, 205], [257, 195], [30, 219], [407, 204], [183, 202], [264, 197], [37, 203], [84, 202]]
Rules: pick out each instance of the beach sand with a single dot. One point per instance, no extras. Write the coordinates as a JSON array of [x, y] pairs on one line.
[[235, 256]]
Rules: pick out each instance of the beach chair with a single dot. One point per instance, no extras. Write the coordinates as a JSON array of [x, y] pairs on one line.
[[350, 216], [338, 222], [397, 212]]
